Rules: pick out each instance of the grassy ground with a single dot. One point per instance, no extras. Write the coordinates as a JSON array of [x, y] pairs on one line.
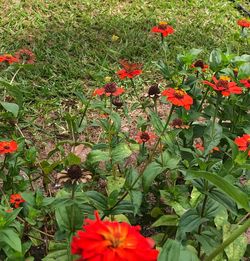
[[73, 40]]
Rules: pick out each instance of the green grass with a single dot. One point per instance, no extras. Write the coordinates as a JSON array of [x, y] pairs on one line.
[[72, 40]]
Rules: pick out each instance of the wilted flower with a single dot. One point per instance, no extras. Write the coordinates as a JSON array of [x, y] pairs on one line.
[[243, 143], [145, 136], [224, 86], [178, 97], [200, 64], [154, 91], [8, 147], [163, 28], [74, 174], [178, 124], [117, 102], [25, 56], [112, 241], [16, 200], [109, 89]]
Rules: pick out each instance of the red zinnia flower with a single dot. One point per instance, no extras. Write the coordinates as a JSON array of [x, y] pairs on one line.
[[163, 28], [224, 86], [8, 147], [145, 136], [243, 143], [246, 82], [109, 89], [200, 64], [179, 124], [243, 23], [25, 56], [16, 199], [178, 97], [112, 241], [129, 70], [200, 147], [8, 58]]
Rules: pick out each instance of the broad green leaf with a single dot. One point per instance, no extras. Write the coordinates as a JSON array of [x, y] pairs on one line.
[[72, 159], [151, 172], [166, 220], [174, 251], [120, 152], [114, 183], [136, 199], [215, 59], [11, 238], [235, 251], [235, 193], [11, 107], [212, 136], [98, 155], [244, 70], [97, 199]]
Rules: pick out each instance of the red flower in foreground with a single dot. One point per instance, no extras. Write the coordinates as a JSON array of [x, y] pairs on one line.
[[109, 89], [246, 82], [200, 147], [243, 143], [145, 136], [224, 86], [129, 70], [8, 58], [200, 64], [243, 23], [8, 147], [112, 241], [163, 28], [25, 56], [178, 97], [16, 200]]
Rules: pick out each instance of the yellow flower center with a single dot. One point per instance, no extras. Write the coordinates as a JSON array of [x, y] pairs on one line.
[[179, 93], [162, 25], [225, 78]]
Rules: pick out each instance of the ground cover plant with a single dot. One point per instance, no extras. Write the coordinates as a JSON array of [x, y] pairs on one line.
[[125, 131]]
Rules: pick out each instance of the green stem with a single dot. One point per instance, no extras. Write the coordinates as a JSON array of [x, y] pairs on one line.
[[146, 164], [215, 113], [203, 99], [234, 234], [137, 95], [84, 112], [4, 162], [73, 208]]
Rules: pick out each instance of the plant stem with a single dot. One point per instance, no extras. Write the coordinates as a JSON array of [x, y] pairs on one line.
[[4, 162], [137, 95], [203, 99], [234, 234], [84, 113], [146, 164], [73, 207]]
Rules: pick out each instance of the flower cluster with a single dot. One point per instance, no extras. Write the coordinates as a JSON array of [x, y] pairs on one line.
[[163, 28], [243, 143], [8, 58], [145, 136], [109, 89], [16, 200], [243, 23], [112, 241]]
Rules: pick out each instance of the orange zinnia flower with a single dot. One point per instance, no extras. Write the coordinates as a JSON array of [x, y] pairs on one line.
[[178, 97], [25, 56], [224, 86], [16, 200], [8, 58], [200, 64], [130, 70], [163, 28], [145, 136], [109, 89], [246, 82], [243, 143], [243, 23], [8, 147], [112, 241]]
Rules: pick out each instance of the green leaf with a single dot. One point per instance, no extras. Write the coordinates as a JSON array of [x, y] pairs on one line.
[[166, 220], [11, 107], [174, 251], [120, 152], [235, 193], [215, 59], [97, 199], [235, 251], [212, 136], [136, 199], [244, 70], [11, 238], [98, 155], [151, 172], [72, 159]]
